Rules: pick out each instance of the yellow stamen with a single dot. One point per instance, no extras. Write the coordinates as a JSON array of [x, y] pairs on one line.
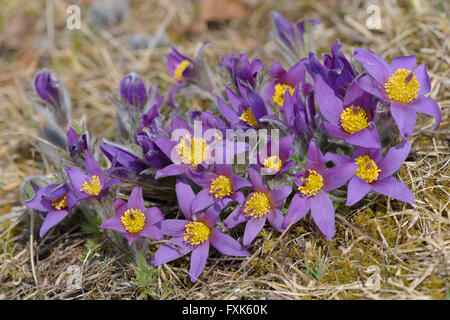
[[192, 151], [92, 186], [367, 169], [273, 162], [133, 220], [313, 184], [402, 86], [280, 90], [178, 73], [221, 187], [60, 203], [354, 119], [257, 205], [249, 117], [196, 233]]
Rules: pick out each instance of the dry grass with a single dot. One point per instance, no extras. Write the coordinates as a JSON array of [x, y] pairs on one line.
[[386, 250]]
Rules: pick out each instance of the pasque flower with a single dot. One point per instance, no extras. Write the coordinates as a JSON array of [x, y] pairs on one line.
[[134, 220], [275, 163], [351, 120], [283, 82], [374, 172], [55, 199], [76, 145], [313, 185], [401, 85], [94, 184], [241, 69], [260, 205], [132, 90], [221, 186], [195, 234]]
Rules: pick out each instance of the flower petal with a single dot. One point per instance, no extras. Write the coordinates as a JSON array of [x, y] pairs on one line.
[[405, 117], [52, 219], [225, 244], [169, 251], [423, 79], [367, 138], [338, 176], [394, 159], [393, 188], [322, 211], [170, 170], [174, 227], [202, 200], [185, 196], [136, 201], [373, 64], [403, 62], [357, 189], [198, 260], [330, 105], [275, 218], [152, 231], [279, 195], [113, 224], [252, 228], [314, 157], [235, 218], [428, 106], [297, 210], [154, 215]]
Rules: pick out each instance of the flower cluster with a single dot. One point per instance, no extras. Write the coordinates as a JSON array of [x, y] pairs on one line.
[[309, 107]]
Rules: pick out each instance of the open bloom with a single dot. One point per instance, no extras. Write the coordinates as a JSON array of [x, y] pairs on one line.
[[400, 85], [351, 120], [94, 184], [221, 186], [133, 220], [313, 185], [56, 199], [195, 234], [374, 172], [241, 69], [283, 82], [260, 205], [246, 110], [274, 161]]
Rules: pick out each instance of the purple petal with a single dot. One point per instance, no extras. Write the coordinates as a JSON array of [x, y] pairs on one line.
[[93, 168], [335, 131], [393, 188], [135, 201], [322, 211], [152, 231], [120, 207], [337, 159], [52, 219], [403, 62], [279, 195], [198, 260], [373, 64], [405, 117], [275, 218], [338, 176], [113, 224], [154, 215], [239, 182], [330, 106], [314, 157], [256, 179], [357, 189], [367, 138], [370, 85], [394, 159], [252, 228], [297, 210], [170, 170], [76, 178], [423, 79], [172, 250], [174, 227], [202, 200], [235, 218], [428, 106], [185, 196], [226, 244]]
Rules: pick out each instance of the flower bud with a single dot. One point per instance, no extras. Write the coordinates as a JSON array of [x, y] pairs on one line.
[[132, 90]]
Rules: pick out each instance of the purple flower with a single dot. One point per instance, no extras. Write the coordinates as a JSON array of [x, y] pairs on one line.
[[283, 82], [260, 205], [374, 172], [351, 120], [94, 184], [400, 85], [133, 220], [76, 145], [221, 187], [241, 69], [46, 86], [246, 110], [314, 183], [180, 67], [124, 160], [132, 90], [275, 163], [292, 35], [56, 199], [153, 155], [195, 234], [336, 70]]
